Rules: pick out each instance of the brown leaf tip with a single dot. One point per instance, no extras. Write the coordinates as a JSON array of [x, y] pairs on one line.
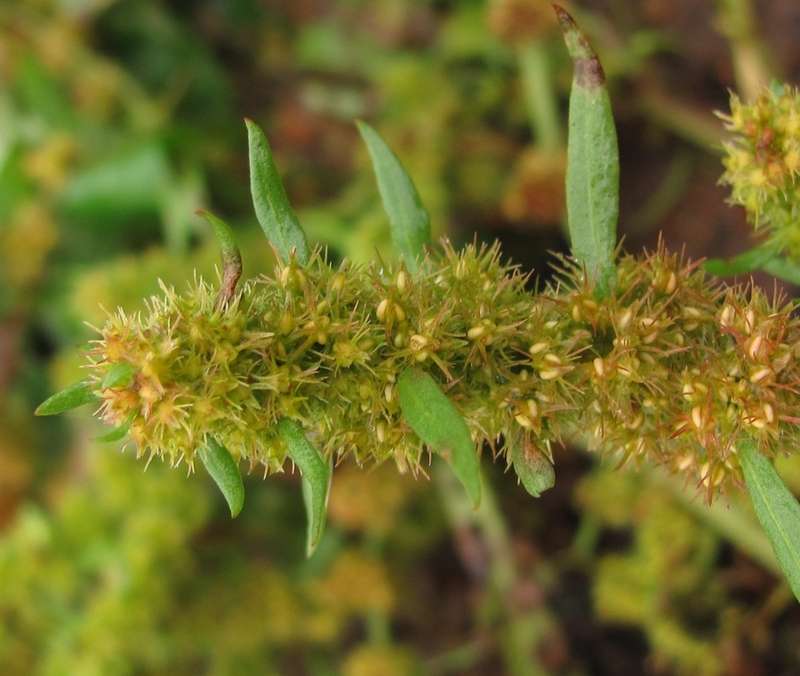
[[588, 71]]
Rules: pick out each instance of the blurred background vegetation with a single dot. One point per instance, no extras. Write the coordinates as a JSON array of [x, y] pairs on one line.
[[120, 118]]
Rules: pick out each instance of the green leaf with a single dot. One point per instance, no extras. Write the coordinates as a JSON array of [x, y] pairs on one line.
[[533, 468], [764, 257], [274, 213], [316, 477], [776, 509], [439, 424], [783, 268], [592, 183], [73, 396], [117, 433], [409, 220], [746, 262], [231, 257], [120, 188], [223, 469], [119, 376]]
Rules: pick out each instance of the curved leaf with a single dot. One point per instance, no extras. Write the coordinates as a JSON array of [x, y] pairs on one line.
[[316, 477], [274, 213], [439, 424], [408, 218], [223, 469], [231, 257]]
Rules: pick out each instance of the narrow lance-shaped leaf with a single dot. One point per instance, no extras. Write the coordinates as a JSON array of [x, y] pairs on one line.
[[274, 213], [533, 468], [776, 509], [316, 477], [231, 258], [592, 162], [439, 424], [223, 469], [408, 218], [71, 397]]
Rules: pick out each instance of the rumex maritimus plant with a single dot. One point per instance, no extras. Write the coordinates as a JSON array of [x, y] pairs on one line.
[[647, 357]]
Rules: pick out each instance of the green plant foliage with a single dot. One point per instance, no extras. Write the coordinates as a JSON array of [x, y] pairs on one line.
[[119, 376], [97, 580], [533, 467], [220, 466], [749, 261], [777, 510], [592, 163], [274, 213], [644, 355], [231, 257], [124, 188], [409, 220], [518, 365], [316, 478], [73, 396], [438, 423]]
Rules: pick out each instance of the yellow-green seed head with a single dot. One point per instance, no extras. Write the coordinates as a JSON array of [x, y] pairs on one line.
[[671, 369]]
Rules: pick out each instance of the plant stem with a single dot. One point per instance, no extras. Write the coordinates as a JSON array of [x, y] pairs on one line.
[[729, 521], [521, 632], [540, 96], [749, 54]]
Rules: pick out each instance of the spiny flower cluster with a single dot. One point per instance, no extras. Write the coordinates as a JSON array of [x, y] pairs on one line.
[[763, 162], [669, 368]]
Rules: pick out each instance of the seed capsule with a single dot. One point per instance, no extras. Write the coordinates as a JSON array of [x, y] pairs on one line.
[[536, 348], [381, 310], [417, 342], [401, 280]]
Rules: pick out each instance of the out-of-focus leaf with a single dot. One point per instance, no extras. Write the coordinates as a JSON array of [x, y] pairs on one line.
[[783, 268], [129, 186], [746, 262]]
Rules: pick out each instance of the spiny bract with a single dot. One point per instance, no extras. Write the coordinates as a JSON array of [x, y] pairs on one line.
[[671, 367]]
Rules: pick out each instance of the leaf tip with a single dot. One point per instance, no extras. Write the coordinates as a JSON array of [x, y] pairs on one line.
[[73, 396], [589, 72], [224, 470]]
